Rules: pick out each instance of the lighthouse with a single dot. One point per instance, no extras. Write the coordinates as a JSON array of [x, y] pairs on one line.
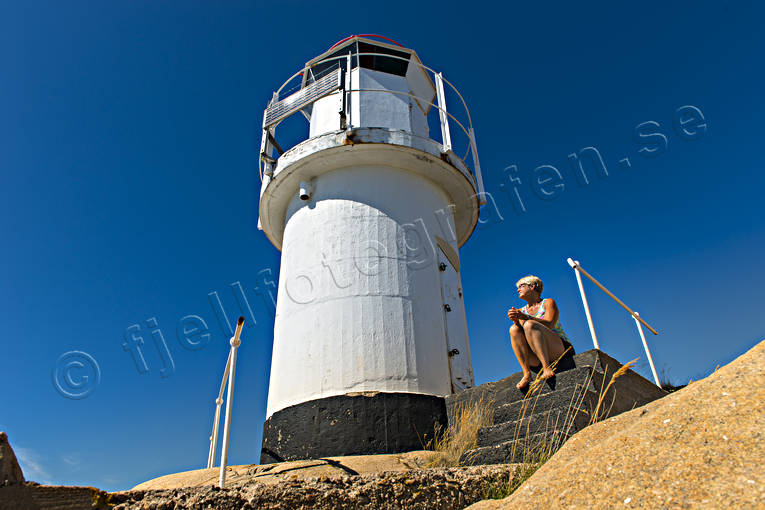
[[369, 209]]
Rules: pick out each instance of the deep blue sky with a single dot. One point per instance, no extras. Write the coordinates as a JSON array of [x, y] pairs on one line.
[[128, 141]]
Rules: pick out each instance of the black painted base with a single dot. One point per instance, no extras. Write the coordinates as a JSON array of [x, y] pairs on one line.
[[353, 424]]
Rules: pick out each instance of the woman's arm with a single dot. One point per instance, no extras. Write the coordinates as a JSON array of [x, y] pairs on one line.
[[550, 316], [514, 315]]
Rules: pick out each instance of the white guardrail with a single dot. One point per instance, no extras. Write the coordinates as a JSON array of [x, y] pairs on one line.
[[228, 376], [638, 320]]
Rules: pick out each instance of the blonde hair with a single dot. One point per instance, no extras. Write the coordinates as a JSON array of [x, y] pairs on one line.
[[531, 280]]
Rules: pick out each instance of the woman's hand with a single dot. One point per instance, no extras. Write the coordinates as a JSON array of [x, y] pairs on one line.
[[516, 315]]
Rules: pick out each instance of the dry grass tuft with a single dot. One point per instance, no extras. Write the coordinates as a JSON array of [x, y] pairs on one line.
[[461, 435], [502, 486], [537, 454], [596, 416], [554, 435], [534, 454]]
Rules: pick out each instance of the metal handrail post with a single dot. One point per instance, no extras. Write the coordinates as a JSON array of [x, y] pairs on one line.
[[216, 420], [647, 351], [214, 436], [235, 343], [574, 265], [210, 454]]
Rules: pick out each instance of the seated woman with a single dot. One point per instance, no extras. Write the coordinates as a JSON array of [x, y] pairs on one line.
[[536, 334]]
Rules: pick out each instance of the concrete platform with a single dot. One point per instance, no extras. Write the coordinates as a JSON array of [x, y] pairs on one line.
[[295, 470]]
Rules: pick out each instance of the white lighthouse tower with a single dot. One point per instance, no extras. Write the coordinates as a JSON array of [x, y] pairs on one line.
[[369, 211]]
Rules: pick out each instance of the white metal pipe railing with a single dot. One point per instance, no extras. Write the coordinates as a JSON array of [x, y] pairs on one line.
[[577, 266], [476, 172], [638, 320], [645, 346], [216, 419], [235, 343], [586, 309], [228, 378]]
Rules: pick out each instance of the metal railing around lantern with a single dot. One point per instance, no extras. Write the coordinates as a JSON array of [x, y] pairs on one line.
[[338, 78]]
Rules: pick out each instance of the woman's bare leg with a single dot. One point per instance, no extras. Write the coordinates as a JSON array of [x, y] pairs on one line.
[[523, 352], [545, 343]]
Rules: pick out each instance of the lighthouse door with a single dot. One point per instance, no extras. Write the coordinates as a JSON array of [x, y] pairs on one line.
[[457, 346]]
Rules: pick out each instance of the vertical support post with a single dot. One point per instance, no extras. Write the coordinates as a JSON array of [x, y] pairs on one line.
[[216, 420], [266, 149], [574, 265], [214, 436], [477, 166], [265, 157], [348, 105], [647, 351], [210, 453], [446, 137], [235, 343], [341, 109]]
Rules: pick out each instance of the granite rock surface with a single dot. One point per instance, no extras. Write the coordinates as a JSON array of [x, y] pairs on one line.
[[418, 489], [10, 471], [700, 447]]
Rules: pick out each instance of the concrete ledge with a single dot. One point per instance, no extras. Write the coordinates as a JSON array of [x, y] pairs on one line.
[[284, 472], [368, 146], [32, 496]]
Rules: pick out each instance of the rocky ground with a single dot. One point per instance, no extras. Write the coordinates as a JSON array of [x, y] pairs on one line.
[[431, 489], [700, 447], [238, 476], [364, 481]]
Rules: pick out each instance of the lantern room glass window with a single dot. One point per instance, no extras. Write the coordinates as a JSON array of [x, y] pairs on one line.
[[375, 62]]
